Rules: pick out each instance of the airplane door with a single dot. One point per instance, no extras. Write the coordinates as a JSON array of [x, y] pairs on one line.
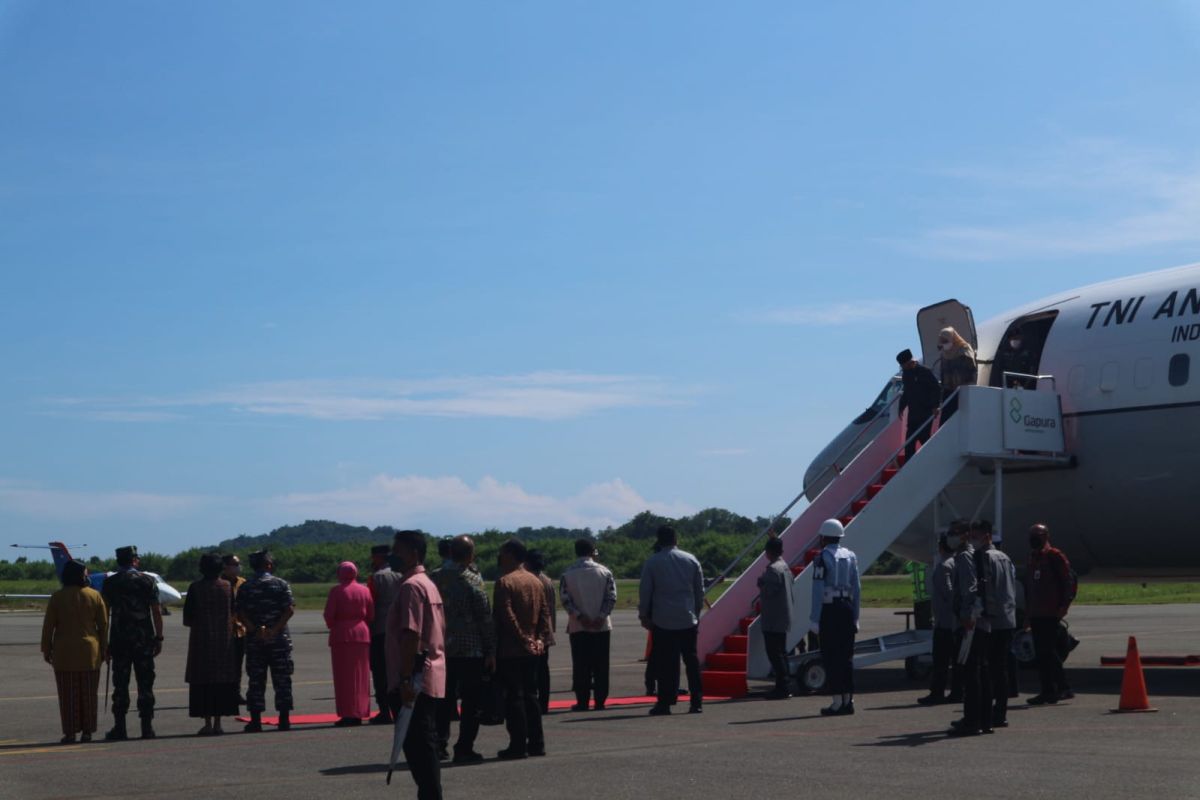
[[946, 314]]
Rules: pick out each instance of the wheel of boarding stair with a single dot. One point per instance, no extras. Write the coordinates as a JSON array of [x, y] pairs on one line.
[[918, 668], [812, 675]]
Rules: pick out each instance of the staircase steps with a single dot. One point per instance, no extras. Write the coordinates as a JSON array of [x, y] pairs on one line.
[[744, 625], [725, 662], [736, 643]]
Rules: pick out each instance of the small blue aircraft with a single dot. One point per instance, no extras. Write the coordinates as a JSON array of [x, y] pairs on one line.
[[167, 594]]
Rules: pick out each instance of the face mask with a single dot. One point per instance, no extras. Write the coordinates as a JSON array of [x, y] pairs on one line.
[[1015, 344], [944, 347]]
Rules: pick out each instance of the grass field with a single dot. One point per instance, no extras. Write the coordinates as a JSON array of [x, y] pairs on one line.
[[878, 592]]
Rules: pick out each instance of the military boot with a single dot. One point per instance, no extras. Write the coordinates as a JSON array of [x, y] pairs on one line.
[[147, 728], [255, 723], [285, 721], [117, 734]]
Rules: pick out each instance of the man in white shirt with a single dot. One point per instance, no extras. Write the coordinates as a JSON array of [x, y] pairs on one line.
[[589, 594]]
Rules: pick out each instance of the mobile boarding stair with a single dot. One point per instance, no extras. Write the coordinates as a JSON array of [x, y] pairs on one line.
[[876, 496]]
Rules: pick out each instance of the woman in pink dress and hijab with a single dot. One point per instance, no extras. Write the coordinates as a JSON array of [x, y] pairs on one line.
[[348, 612]]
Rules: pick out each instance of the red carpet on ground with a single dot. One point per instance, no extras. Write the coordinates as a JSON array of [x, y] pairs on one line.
[[555, 705]]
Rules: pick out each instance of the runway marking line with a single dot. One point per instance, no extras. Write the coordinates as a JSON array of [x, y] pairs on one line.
[[57, 748]]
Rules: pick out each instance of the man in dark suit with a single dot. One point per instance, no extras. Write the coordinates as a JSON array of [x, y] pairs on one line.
[[921, 395]]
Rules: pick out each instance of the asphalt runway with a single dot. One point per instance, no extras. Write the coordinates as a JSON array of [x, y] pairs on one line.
[[754, 747]]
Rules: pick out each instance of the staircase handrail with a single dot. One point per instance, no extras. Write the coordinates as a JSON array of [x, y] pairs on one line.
[[725, 573]]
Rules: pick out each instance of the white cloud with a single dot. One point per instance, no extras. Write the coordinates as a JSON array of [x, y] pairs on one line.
[[538, 395], [72, 506], [824, 314], [452, 503], [1126, 199]]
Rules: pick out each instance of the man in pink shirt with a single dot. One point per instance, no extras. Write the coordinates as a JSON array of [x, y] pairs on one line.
[[416, 630]]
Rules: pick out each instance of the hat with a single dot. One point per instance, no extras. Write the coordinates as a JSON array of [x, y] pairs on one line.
[[903, 357], [130, 551], [832, 529], [381, 550]]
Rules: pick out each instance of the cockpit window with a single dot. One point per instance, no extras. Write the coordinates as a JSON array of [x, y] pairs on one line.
[[881, 402]]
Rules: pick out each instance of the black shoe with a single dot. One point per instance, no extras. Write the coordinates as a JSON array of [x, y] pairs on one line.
[[147, 729], [660, 711], [778, 694], [847, 709], [85, 738], [117, 734], [67, 739], [830, 711], [1066, 694], [696, 709], [285, 721], [954, 698], [999, 723], [253, 727], [539, 750], [986, 730], [931, 699], [1041, 700], [963, 730], [381, 719], [510, 754], [580, 707], [598, 707], [467, 757]]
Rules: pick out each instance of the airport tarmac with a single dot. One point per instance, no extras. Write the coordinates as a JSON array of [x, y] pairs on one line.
[[749, 748]]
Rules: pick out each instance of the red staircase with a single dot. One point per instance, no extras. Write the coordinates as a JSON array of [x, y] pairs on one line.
[[725, 670]]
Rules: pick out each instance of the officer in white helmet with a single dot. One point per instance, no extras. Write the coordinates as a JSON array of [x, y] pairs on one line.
[[835, 605]]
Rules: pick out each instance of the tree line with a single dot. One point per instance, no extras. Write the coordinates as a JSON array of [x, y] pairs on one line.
[[311, 552]]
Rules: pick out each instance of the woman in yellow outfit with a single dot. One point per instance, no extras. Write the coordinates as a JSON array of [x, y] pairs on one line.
[[75, 643]]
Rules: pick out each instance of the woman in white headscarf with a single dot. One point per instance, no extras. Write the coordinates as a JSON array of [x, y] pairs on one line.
[[958, 368]]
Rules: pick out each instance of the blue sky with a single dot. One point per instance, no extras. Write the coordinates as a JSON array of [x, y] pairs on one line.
[[468, 265]]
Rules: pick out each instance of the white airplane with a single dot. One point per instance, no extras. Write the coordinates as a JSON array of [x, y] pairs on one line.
[[167, 594], [1119, 356]]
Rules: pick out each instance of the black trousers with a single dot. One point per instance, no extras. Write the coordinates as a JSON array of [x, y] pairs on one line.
[[463, 679], [522, 714], [999, 649], [1045, 645], [977, 683], [775, 643], [945, 663], [922, 427], [951, 405], [589, 665], [421, 748], [837, 645], [379, 676], [543, 681], [239, 655], [669, 647]]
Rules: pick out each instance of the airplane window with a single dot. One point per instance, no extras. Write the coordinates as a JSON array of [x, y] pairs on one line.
[[1177, 370], [881, 402], [1108, 376]]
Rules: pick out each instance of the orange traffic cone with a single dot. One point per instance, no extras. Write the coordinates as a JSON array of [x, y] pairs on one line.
[[1133, 683]]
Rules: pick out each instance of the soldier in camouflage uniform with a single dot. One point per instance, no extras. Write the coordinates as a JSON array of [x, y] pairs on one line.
[[264, 605], [135, 638]]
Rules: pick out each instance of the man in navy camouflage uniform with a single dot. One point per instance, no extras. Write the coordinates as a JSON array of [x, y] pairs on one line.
[[135, 638], [264, 605]]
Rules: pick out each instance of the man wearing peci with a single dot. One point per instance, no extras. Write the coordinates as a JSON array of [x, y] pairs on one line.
[[671, 594]]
